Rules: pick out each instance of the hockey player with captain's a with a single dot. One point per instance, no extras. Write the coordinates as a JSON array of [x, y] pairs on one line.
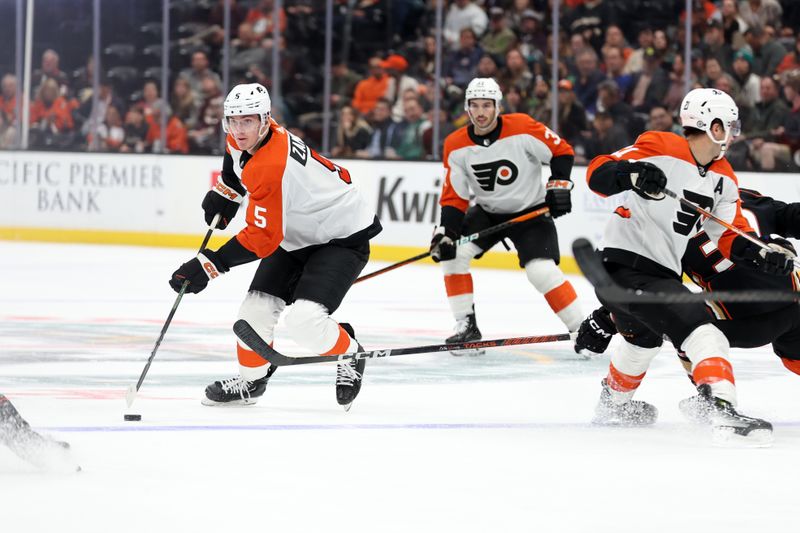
[[498, 159], [642, 249], [307, 224]]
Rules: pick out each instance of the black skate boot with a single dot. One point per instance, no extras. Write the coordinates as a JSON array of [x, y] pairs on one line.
[[349, 374], [237, 391], [595, 333], [728, 426], [466, 330], [630, 413]]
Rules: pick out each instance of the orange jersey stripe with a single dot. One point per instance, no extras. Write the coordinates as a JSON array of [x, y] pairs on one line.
[[458, 284], [561, 296], [621, 382], [712, 370], [341, 343]]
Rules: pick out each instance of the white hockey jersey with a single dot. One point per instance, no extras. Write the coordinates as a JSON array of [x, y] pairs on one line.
[[504, 169], [660, 230], [297, 197]]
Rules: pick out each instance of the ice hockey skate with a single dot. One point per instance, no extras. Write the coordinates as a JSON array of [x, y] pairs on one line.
[[466, 330], [236, 390], [630, 413], [728, 426], [349, 375]]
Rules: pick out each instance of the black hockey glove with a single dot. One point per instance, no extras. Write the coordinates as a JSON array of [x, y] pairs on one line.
[[645, 178], [224, 200], [198, 271], [779, 261], [595, 333], [557, 196], [443, 246]]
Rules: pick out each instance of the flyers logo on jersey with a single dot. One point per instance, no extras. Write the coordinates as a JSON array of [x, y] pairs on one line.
[[502, 172]]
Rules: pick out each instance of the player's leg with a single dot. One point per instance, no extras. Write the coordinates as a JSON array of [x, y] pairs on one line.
[[328, 274], [536, 242], [787, 344], [272, 286]]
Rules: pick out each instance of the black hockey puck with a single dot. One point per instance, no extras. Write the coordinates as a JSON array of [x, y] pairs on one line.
[[133, 418]]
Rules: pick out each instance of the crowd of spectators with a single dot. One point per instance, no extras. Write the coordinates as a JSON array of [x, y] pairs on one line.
[[621, 71]]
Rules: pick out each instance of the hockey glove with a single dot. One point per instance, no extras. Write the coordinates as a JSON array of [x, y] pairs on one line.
[[645, 178], [443, 246], [224, 200], [779, 261], [595, 333], [207, 265], [557, 197]]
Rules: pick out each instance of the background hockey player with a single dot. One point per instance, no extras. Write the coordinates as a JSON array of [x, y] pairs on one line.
[[310, 226], [499, 160], [41, 451], [643, 246]]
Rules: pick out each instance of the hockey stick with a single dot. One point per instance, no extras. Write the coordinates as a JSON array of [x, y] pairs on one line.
[[459, 242], [607, 289], [248, 336], [708, 214], [130, 394]]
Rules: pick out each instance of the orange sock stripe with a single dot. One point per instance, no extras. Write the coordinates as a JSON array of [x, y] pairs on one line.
[[561, 296], [457, 284], [712, 370], [621, 382], [249, 358], [341, 343], [791, 364]]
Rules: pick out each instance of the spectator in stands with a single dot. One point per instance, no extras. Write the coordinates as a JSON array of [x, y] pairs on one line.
[[461, 65], [51, 117], [588, 78], [184, 102], [590, 19], [712, 73], [487, 67], [463, 14], [50, 70], [733, 24], [150, 98], [532, 38], [383, 131], [789, 131], [135, 132], [541, 105], [768, 118], [767, 52], [609, 98], [246, 51], [516, 74], [571, 114], [95, 116], [761, 12], [615, 66], [198, 71], [8, 111], [635, 62], [749, 83], [395, 67], [408, 141], [352, 133], [605, 137], [424, 67], [177, 138], [514, 101], [214, 34], [662, 48], [677, 85], [204, 136], [661, 120], [371, 89], [445, 128], [499, 39], [110, 132], [791, 61], [651, 85], [714, 44], [616, 39], [516, 14], [261, 19], [343, 84]]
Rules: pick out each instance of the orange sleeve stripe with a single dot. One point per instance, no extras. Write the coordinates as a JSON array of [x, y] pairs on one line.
[[458, 284], [520, 123], [450, 197], [791, 364], [561, 296], [249, 358], [341, 345], [622, 382], [712, 370]]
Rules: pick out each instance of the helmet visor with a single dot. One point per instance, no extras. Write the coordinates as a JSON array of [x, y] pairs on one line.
[[238, 124]]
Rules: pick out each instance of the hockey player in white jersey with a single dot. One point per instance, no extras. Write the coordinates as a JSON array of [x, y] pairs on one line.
[[309, 226], [498, 159], [642, 249]]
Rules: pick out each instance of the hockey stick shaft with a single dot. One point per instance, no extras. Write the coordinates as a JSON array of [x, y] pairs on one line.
[[463, 240], [130, 396], [253, 340]]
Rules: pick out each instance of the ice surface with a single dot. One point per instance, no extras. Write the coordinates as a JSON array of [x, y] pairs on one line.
[[496, 443]]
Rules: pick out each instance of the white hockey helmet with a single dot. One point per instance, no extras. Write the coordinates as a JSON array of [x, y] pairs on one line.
[[701, 107], [483, 88], [247, 99]]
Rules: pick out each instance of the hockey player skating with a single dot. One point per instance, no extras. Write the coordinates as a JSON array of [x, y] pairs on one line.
[[41, 451], [499, 159], [642, 249], [309, 226], [745, 325]]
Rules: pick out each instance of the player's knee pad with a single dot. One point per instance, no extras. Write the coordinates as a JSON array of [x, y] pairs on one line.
[[311, 326], [464, 254], [262, 311], [631, 359], [704, 342], [544, 274]]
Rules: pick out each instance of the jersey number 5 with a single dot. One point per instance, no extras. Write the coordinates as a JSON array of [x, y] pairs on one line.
[[344, 175], [688, 218]]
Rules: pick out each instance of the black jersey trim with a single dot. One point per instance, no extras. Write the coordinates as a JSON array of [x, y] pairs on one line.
[[639, 262], [490, 138]]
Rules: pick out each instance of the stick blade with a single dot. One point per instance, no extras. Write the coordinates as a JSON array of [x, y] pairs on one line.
[[130, 395]]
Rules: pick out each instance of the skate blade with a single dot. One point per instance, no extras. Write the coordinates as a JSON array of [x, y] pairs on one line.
[[472, 352], [347, 406], [235, 403], [726, 437]]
